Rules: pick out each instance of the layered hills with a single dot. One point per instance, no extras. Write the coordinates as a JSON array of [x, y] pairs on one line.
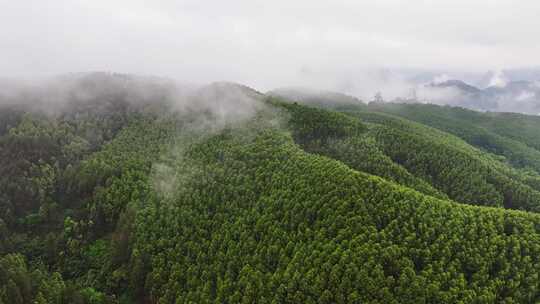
[[146, 192]]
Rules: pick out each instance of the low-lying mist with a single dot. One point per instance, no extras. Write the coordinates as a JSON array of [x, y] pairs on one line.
[[197, 112], [218, 104], [497, 91], [214, 105]]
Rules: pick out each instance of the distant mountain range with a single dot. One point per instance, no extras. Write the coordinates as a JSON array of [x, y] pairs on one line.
[[513, 96]]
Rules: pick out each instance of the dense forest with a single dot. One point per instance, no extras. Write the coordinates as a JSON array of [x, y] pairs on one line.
[[122, 189]]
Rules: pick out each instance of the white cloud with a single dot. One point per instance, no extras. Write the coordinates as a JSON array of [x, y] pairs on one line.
[[264, 43], [498, 79], [525, 95], [441, 78]]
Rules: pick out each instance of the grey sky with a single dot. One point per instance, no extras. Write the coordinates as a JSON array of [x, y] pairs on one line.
[[265, 44]]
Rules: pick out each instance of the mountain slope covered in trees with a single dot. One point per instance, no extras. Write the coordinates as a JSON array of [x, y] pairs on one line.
[[122, 197]]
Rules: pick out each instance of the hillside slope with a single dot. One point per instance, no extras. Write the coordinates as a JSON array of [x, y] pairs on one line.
[[310, 229], [415, 155], [514, 136], [122, 199]]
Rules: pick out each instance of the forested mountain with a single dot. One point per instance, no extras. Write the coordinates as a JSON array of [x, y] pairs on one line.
[[121, 189]]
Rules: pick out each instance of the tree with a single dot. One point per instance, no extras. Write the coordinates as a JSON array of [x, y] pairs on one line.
[[378, 99]]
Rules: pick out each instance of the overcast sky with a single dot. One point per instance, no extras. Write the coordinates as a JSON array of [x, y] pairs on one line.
[[265, 43]]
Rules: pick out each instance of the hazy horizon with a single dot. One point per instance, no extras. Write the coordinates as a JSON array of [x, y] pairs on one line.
[[326, 44]]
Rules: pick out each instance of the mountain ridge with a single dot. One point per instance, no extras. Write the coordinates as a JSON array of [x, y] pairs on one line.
[[228, 195]]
